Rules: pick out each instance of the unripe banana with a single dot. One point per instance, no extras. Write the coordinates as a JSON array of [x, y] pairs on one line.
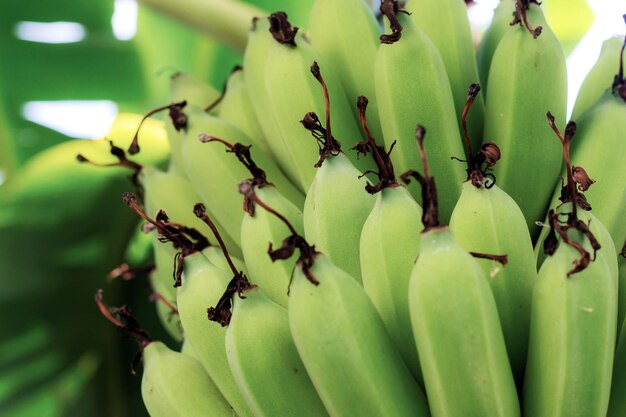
[[446, 24], [165, 302], [292, 92], [572, 338], [175, 384], [487, 220], [385, 269], [345, 33], [237, 109], [344, 344], [621, 286], [203, 285], [258, 229], [527, 78], [500, 24], [420, 93], [599, 78], [455, 323], [258, 337]]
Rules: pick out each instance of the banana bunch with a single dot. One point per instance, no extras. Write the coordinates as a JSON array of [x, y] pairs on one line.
[[301, 247]]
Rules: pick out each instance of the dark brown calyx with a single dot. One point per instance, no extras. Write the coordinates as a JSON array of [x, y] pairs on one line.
[[430, 214], [179, 119], [479, 165], [222, 312], [122, 318], [390, 9], [181, 237], [520, 17], [242, 152], [122, 161], [619, 83], [502, 259], [571, 192], [281, 29], [386, 174], [308, 254], [329, 146]]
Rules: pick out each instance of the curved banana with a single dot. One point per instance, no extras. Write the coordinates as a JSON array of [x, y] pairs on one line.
[[617, 401], [160, 281], [446, 24], [455, 322], [293, 91], [527, 78], [284, 389], [487, 220], [599, 78], [385, 270], [421, 93], [345, 33]]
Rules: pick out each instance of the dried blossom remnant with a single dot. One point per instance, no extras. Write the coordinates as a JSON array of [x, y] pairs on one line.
[[390, 9], [520, 17], [386, 174], [581, 178], [222, 312], [430, 213], [281, 29], [328, 145], [179, 120], [479, 165]]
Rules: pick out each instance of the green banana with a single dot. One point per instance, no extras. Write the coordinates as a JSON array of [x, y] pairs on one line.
[[257, 321], [336, 200], [502, 17], [166, 303], [446, 24], [345, 33], [487, 220], [527, 78], [292, 92], [574, 310], [599, 77], [421, 94], [342, 341], [173, 384], [385, 270], [621, 286], [455, 322]]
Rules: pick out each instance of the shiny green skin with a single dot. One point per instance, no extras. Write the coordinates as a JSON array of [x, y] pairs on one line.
[[489, 221], [176, 385], [215, 174], [261, 229], [237, 108], [600, 78], [292, 92], [346, 349], [500, 24], [335, 210], [446, 24], [421, 95], [203, 285], [185, 87], [346, 34], [264, 360], [160, 186], [572, 338], [617, 401], [599, 147], [389, 247], [527, 78], [458, 334]]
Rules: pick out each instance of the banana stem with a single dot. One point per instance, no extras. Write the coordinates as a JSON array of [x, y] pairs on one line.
[[227, 21]]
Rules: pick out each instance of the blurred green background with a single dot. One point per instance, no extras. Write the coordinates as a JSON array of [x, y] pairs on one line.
[[62, 225]]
